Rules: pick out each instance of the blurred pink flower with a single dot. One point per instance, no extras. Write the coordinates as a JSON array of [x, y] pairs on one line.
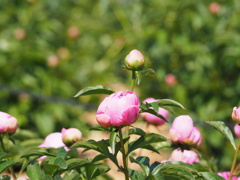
[[187, 156], [237, 130], [214, 7], [170, 79], [152, 119], [226, 175], [8, 123], [70, 136], [119, 109], [236, 115], [134, 60], [53, 140], [182, 131]]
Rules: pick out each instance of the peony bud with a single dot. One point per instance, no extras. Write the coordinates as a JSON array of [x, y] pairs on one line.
[[170, 79], [152, 119], [134, 60], [226, 175], [8, 123], [119, 109], [236, 115], [186, 156], [53, 140], [237, 130], [214, 7], [70, 136], [183, 131]]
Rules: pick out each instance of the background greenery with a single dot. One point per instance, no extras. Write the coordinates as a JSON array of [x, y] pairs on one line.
[[52, 49]]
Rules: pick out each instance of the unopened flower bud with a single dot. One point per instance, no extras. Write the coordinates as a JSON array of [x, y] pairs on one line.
[[134, 60], [8, 123], [237, 130], [186, 156], [70, 136], [236, 115]]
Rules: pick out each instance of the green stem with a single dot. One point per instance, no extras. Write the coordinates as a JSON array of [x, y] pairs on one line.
[[4, 150], [124, 155], [234, 161], [133, 80]]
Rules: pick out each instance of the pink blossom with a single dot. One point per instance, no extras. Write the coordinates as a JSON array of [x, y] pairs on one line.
[[134, 60], [70, 136], [119, 109], [8, 123], [182, 131], [152, 119], [214, 7], [170, 79], [226, 175], [187, 156], [237, 130], [236, 115]]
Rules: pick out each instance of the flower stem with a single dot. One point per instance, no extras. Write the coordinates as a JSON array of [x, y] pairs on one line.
[[124, 155], [4, 150], [234, 161], [133, 80]]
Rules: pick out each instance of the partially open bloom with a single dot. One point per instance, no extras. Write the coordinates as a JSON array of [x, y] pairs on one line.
[[226, 175], [53, 140], [134, 60], [8, 123], [70, 136], [119, 109], [183, 131], [237, 130], [187, 156], [236, 115], [152, 119]]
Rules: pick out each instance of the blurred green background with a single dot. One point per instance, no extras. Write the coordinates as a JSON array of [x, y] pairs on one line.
[[49, 50]]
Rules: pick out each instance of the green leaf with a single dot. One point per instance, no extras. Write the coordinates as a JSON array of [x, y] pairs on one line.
[[40, 152], [112, 141], [143, 162], [135, 175], [5, 177], [211, 176], [136, 131], [5, 165], [98, 158], [145, 140], [60, 162], [50, 168], [94, 90], [72, 175], [169, 102], [149, 72], [92, 171], [3, 155], [34, 172], [61, 153], [100, 128], [138, 74], [222, 128]]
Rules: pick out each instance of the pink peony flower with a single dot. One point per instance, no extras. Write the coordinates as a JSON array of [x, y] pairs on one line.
[[152, 119], [70, 136], [226, 175], [8, 123], [134, 60], [170, 79], [183, 131], [53, 140], [237, 130], [187, 156], [236, 115], [119, 109], [214, 7]]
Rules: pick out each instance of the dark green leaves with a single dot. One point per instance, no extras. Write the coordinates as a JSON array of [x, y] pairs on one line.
[[221, 127], [94, 90]]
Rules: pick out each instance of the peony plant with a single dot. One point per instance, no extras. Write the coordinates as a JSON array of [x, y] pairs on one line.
[[60, 156]]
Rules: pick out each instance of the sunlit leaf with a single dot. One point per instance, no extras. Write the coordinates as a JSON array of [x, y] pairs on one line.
[[5, 165], [99, 89], [221, 127]]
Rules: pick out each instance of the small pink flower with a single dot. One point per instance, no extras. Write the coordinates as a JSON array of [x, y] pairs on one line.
[[8, 123], [170, 79], [152, 119], [237, 130], [236, 115], [182, 131], [53, 140], [187, 156], [70, 136], [226, 175], [134, 60], [214, 7], [119, 109]]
